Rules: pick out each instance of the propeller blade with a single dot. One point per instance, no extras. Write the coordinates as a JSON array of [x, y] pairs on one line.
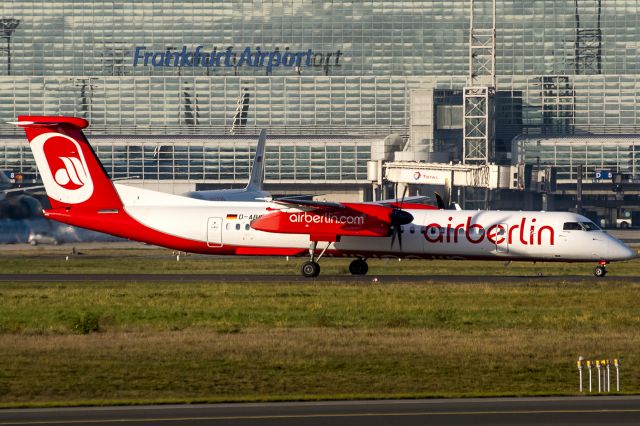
[[399, 217], [404, 194], [393, 236], [447, 193], [440, 201], [396, 231]]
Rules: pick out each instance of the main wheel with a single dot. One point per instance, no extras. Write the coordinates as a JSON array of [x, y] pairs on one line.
[[310, 269], [600, 271], [358, 267]]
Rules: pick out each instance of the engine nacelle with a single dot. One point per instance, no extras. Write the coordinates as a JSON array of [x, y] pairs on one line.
[[327, 224]]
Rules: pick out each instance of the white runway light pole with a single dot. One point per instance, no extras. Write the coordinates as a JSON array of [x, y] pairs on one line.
[[580, 371], [603, 367]]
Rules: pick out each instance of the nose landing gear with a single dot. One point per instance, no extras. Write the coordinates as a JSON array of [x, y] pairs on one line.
[[311, 268], [601, 269]]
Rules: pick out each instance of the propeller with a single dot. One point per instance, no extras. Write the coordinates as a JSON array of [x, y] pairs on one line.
[[442, 205], [399, 217]]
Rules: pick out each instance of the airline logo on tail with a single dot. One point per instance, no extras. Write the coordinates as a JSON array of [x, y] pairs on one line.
[[63, 167]]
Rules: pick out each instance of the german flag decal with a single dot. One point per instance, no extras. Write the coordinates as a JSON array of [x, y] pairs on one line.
[[232, 216]]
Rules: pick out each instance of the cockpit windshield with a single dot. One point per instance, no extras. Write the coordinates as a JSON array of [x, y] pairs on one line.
[[572, 226], [590, 226], [580, 226]]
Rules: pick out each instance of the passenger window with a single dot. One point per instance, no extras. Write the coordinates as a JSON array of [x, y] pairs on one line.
[[412, 229], [228, 226], [247, 227], [572, 226], [237, 226]]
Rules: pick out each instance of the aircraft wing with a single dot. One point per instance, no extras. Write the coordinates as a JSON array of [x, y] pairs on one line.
[[399, 203], [25, 189], [34, 187], [300, 202]]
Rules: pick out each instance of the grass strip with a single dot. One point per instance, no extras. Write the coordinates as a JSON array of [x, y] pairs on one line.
[[301, 363], [199, 342]]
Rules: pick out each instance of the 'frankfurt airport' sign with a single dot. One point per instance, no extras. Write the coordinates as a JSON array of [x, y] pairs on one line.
[[230, 57]]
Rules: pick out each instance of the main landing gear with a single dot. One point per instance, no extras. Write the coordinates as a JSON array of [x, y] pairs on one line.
[[601, 269], [358, 267]]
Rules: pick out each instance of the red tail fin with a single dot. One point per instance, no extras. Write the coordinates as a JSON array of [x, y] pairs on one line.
[[71, 172]]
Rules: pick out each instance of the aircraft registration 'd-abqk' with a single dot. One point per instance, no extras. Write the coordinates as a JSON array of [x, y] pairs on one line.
[[81, 194]]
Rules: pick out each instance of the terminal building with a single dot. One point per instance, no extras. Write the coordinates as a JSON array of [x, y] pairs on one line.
[[176, 92]]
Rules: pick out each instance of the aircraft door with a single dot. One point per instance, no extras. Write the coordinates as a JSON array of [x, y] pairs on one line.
[[502, 238], [214, 232]]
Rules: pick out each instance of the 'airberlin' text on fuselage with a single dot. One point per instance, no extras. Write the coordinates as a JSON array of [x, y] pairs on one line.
[[527, 232], [326, 218]]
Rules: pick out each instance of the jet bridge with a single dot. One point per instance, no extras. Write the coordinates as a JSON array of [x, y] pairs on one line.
[[490, 176]]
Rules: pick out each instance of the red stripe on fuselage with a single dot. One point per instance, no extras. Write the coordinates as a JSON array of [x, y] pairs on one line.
[[122, 225]]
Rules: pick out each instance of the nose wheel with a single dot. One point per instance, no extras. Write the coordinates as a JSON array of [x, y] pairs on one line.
[[310, 269], [600, 271], [358, 267]]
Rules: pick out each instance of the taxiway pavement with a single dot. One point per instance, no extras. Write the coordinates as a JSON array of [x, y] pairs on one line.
[[607, 410]]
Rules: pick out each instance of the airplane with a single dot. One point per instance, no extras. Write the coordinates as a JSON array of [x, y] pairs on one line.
[[81, 194], [6, 186], [253, 191], [5, 183], [21, 203], [15, 203]]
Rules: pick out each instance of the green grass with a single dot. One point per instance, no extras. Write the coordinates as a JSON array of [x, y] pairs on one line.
[[299, 363], [132, 307], [138, 342]]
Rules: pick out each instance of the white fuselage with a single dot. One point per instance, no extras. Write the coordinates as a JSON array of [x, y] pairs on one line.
[[508, 235]]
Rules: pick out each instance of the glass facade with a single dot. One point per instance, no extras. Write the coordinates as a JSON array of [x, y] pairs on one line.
[[375, 38], [314, 67], [227, 161], [619, 153]]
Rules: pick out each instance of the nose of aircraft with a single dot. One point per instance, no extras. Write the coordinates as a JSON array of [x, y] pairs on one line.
[[617, 250]]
